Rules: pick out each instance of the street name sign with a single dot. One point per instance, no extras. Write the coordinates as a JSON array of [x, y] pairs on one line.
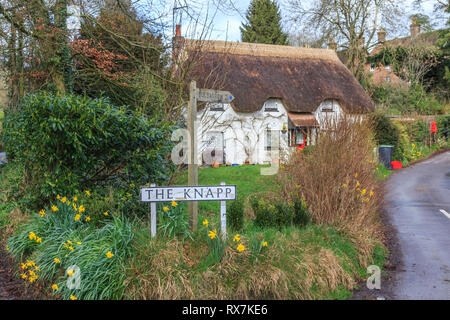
[[214, 96], [221, 193], [188, 193]]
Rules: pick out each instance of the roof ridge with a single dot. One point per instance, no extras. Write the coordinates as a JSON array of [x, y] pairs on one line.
[[260, 49]]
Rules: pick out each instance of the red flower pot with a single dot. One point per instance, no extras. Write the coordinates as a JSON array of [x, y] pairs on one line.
[[396, 165]]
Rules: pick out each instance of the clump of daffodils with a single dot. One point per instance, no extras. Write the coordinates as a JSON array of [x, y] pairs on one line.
[[29, 271]]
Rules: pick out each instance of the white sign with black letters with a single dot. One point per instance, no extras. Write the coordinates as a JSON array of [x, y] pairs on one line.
[[187, 193], [220, 193]]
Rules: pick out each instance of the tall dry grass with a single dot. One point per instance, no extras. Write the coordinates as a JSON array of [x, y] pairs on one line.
[[336, 177]]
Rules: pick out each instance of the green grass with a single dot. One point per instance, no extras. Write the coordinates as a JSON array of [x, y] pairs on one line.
[[247, 178], [382, 173]]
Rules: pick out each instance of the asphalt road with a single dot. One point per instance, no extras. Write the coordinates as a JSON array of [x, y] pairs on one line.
[[417, 203]]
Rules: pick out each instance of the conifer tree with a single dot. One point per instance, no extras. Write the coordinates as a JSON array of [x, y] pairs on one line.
[[263, 23]]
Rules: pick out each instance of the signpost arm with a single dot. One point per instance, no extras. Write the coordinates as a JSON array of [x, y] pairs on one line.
[[193, 159], [223, 216], [153, 216]]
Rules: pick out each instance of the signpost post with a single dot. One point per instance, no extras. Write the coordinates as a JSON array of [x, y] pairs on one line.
[[192, 194], [192, 153], [202, 95]]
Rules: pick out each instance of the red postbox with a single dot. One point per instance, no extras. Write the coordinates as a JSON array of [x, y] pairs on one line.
[[433, 127]]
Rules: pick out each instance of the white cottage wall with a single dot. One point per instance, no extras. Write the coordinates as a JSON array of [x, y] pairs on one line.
[[244, 134]]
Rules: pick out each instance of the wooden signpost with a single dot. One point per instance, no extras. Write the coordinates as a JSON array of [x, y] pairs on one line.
[[202, 95], [192, 194]]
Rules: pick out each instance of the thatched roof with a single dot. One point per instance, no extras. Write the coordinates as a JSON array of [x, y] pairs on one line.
[[301, 77]]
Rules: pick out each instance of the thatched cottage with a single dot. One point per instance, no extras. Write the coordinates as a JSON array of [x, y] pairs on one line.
[[281, 94]]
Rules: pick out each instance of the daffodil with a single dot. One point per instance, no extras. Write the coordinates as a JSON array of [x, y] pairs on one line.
[[70, 272], [237, 238], [32, 236], [240, 247], [174, 204], [363, 192], [264, 244], [212, 234], [55, 208], [371, 193], [56, 260], [72, 297], [88, 193], [82, 209], [105, 214], [77, 217], [79, 243], [88, 219], [39, 240], [55, 287], [165, 209], [74, 207], [75, 199], [205, 222], [58, 197], [109, 255], [64, 199]]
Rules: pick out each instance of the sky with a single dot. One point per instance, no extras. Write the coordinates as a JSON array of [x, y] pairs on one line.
[[227, 22]]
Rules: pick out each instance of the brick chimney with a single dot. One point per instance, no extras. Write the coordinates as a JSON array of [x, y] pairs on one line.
[[414, 28], [177, 44], [381, 36]]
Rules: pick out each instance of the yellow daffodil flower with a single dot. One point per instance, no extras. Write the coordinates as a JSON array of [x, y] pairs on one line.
[[64, 199], [165, 209], [363, 192], [237, 238], [212, 234], [55, 208], [77, 217], [82, 209], [105, 214], [205, 222], [240, 247], [88, 193], [75, 199], [42, 213], [88, 219], [72, 297], [371, 193], [55, 287], [58, 197], [56, 260], [264, 244], [174, 204], [70, 272], [109, 254]]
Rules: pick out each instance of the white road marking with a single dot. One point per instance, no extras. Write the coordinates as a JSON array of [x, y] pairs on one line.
[[446, 213]]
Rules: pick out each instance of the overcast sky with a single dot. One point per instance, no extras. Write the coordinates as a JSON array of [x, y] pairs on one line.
[[227, 22]]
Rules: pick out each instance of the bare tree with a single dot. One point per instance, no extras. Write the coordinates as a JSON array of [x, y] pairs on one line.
[[352, 24]]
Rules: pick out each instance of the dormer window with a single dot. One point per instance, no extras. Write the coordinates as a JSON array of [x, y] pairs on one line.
[[327, 109], [372, 68], [271, 106], [217, 107]]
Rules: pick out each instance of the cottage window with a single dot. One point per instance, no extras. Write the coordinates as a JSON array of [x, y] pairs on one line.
[[268, 142], [217, 107], [271, 106], [372, 68]]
